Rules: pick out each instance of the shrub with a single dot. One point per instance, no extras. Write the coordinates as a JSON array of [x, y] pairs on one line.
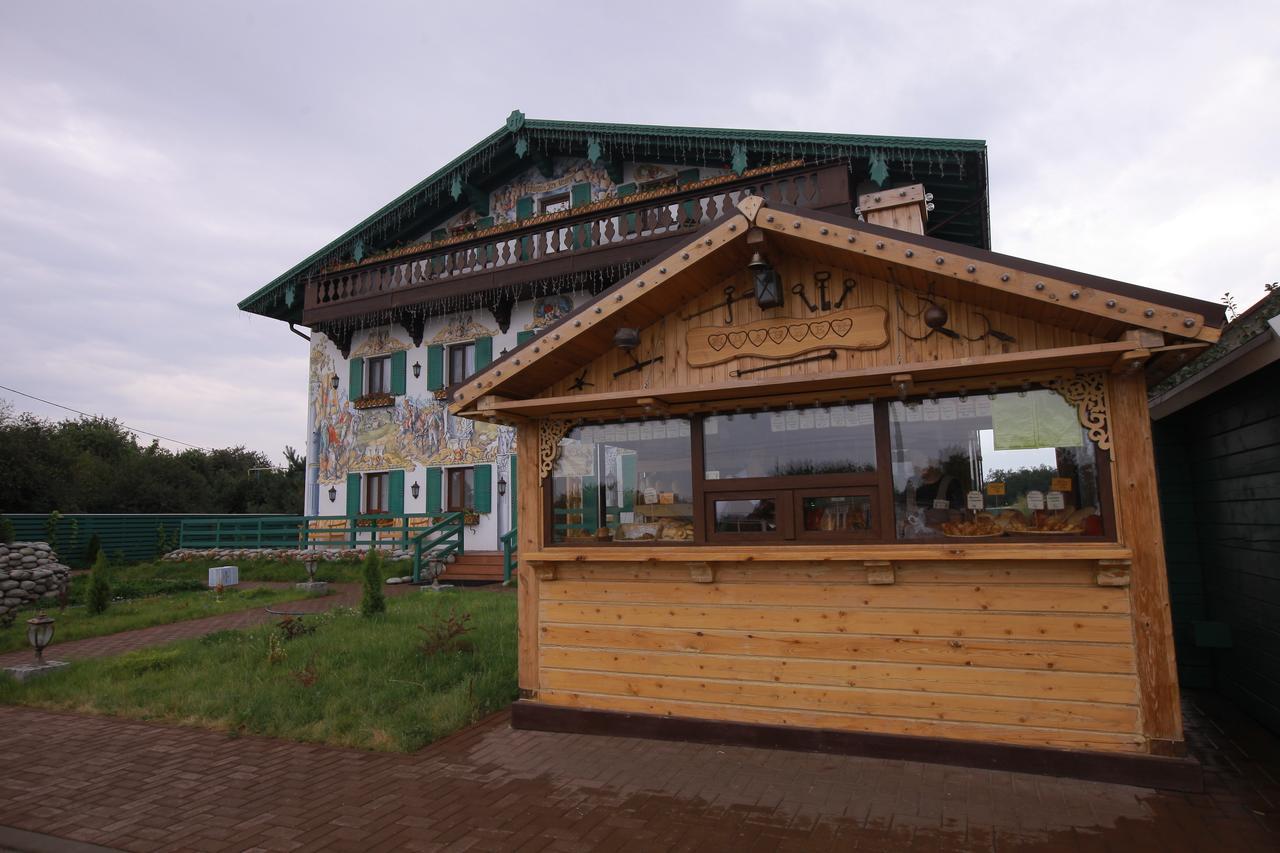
[[95, 548], [51, 529], [6, 531], [446, 636], [295, 626], [99, 597], [373, 601]]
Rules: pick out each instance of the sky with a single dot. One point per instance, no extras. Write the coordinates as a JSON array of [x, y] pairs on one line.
[[159, 161]]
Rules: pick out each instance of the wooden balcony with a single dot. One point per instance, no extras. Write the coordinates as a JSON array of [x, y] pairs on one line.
[[609, 232]]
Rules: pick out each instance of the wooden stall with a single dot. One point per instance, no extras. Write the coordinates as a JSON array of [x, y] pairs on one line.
[[835, 484]]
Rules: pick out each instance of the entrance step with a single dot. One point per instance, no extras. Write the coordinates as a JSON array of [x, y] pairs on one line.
[[475, 566]]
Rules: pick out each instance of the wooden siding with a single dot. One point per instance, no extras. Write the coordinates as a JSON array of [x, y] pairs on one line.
[[1036, 654], [666, 336], [1233, 442]]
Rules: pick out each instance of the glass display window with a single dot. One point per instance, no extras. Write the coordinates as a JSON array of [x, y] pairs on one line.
[[992, 465], [810, 441], [624, 482]]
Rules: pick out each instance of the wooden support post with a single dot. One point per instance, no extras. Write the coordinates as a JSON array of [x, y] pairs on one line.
[[1138, 505], [529, 522], [904, 208], [880, 572]]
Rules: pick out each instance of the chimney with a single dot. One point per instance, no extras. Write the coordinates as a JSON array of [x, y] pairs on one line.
[[904, 208]]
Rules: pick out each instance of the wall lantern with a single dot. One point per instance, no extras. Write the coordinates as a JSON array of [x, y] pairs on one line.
[[417, 370], [502, 485], [333, 494], [333, 382], [414, 490], [627, 339], [40, 634], [768, 288]]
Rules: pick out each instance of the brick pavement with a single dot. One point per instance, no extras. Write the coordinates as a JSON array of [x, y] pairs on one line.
[[127, 641], [143, 787]]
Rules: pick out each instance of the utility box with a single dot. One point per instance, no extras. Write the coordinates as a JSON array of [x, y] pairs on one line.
[[224, 575]]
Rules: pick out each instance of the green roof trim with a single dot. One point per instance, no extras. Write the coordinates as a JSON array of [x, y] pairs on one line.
[[1248, 325], [607, 141]]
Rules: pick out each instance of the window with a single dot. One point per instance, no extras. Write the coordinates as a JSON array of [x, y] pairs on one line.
[[462, 361], [378, 375], [987, 465], [377, 493], [554, 203], [460, 489], [624, 482]]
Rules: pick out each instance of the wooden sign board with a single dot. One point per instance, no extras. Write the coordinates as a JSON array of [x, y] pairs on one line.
[[784, 337]]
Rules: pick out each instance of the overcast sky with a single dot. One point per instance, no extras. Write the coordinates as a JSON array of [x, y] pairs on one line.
[[160, 161]]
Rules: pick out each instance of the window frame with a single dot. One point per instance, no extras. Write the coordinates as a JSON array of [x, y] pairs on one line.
[[379, 365], [546, 201], [788, 492], [384, 490], [449, 473], [463, 347]]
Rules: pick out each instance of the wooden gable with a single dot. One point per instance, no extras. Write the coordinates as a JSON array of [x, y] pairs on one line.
[[1004, 315]]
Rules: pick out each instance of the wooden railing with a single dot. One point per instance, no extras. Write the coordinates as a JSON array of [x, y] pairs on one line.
[[439, 542], [601, 226], [508, 541], [261, 532]]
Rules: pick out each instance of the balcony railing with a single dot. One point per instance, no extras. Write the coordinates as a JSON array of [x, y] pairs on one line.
[[599, 230]]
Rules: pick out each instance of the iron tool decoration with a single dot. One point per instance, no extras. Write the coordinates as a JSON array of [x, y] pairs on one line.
[[581, 383], [798, 290], [820, 280], [829, 355], [849, 285], [730, 295], [936, 317]]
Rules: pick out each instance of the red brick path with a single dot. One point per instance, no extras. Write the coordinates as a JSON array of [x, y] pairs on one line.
[[142, 787]]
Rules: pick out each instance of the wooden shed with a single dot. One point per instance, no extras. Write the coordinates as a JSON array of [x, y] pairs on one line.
[[833, 484]]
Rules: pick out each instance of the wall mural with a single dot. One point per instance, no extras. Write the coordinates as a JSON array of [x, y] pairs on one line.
[[462, 327], [549, 309], [416, 431], [380, 342], [565, 173]]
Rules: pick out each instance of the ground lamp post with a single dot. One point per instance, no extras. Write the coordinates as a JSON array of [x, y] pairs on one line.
[[40, 635]]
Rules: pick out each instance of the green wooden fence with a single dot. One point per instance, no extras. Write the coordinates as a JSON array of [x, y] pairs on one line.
[[133, 536]]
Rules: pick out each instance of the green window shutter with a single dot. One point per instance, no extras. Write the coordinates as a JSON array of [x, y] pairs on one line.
[[526, 335], [628, 484], [435, 367], [686, 176], [628, 219], [439, 234], [483, 498], [691, 209], [484, 352], [624, 190], [398, 360], [484, 222], [524, 207], [579, 195], [355, 382], [353, 495], [433, 491], [395, 486]]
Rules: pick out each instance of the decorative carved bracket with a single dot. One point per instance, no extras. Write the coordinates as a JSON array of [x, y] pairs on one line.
[[550, 431], [1088, 393]]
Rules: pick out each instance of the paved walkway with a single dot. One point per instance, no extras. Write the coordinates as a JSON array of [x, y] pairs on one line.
[[143, 787], [127, 641]]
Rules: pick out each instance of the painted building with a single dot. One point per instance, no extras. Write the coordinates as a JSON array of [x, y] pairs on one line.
[[497, 246]]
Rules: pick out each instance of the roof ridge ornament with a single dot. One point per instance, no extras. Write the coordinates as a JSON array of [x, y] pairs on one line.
[[515, 121]]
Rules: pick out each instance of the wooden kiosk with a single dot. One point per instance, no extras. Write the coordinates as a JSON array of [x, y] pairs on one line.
[[833, 484]]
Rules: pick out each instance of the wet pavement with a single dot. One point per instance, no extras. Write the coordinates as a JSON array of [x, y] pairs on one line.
[[135, 786]]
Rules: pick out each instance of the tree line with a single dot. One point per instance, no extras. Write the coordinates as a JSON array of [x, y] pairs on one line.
[[96, 465]]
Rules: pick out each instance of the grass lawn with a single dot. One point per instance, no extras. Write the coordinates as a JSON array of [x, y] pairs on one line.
[[353, 681], [77, 624], [343, 571]]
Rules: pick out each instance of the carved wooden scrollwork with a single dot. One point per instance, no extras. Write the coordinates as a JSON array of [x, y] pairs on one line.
[[550, 431], [1088, 393]]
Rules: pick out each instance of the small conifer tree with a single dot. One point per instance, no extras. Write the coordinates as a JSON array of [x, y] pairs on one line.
[[91, 553], [7, 533], [98, 598], [373, 600]]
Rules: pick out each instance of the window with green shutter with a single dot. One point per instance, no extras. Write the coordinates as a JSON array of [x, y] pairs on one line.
[[482, 499], [398, 370], [435, 367], [433, 478], [395, 503], [484, 352], [355, 380], [353, 495]]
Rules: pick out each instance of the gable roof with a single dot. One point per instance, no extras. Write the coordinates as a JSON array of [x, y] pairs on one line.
[[1053, 294], [956, 168]]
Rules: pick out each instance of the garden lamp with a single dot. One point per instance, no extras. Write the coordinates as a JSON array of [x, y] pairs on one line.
[[40, 634]]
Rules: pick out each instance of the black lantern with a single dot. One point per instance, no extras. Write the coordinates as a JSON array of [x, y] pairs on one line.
[[935, 316], [768, 288], [414, 490], [417, 370], [333, 494], [626, 338], [333, 382], [502, 485], [40, 634]]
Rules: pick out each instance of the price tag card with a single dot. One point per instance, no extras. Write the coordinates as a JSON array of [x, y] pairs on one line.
[[646, 431], [947, 408], [777, 422], [1035, 500], [793, 421], [713, 475], [941, 503], [995, 488], [821, 419], [626, 517], [1054, 500], [967, 409], [865, 415], [1060, 484], [973, 500], [633, 432], [666, 497], [932, 411], [982, 406], [659, 429], [651, 495], [806, 419]]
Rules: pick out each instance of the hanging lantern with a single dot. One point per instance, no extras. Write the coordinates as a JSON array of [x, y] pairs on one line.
[[333, 494], [768, 288], [935, 316], [40, 634], [415, 489]]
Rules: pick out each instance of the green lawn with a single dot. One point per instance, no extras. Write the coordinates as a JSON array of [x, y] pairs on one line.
[[344, 571], [354, 681], [77, 624]]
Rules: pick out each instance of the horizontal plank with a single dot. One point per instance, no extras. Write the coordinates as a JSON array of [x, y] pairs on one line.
[[994, 598], [998, 710], [1012, 654], [1016, 683], [893, 623], [1023, 551], [1026, 735], [961, 572]]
